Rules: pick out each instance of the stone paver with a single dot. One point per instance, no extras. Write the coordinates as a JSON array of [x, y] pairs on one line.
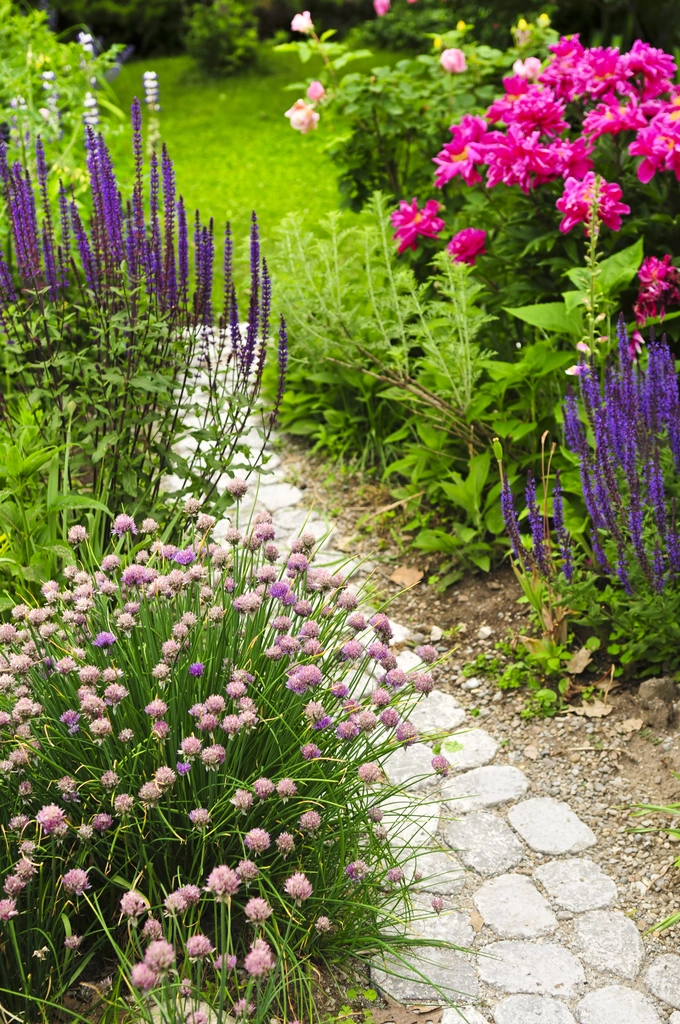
[[407, 660], [529, 967], [442, 873], [674, 1018], [451, 972], [550, 826], [663, 979], [438, 712], [513, 908], [278, 496], [469, 1016], [411, 767], [484, 787], [577, 884], [465, 750], [609, 941], [485, 843], [616, 1005], [532, 1010], [411, 821], [450, 926]]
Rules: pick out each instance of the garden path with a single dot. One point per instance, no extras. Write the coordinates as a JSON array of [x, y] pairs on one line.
[[545, 937]]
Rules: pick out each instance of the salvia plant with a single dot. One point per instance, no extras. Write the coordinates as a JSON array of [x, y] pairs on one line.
[[623, 430], [191, 782], [115, 356]]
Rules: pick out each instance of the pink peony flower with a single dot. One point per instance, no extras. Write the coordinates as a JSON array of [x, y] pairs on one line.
[[602, 70], [656, 68], [453, 61], [577, 200], [411, 222], [302, 23], [515, 158], [381, 7], [466, 246], [561, 73], [463, 153], [571, 159], [659, 145], [315, 91], [612, 116], [529, 68], [501, 108], [303, 118], [659, 281]]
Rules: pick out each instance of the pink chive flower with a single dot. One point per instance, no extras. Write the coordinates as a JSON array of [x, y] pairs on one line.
[[302, 117], [257, 840], [298, 887], [302, 23], [369, 772], [464, 153], [247, 871], [51, 818], [260, 960], [133, 904], [659, 146], [223, 883], [76, 881], [315, 91], [123, 524], [257, 910], [440, 765], [8, 910], [453, 61], [577, 200], [395, 875], [381, 7], [357, 870], [143, 978], [410, 222], [659, 281], [286, 789], [612, 116], [159, 956], [285, 844], [437, 904], [528, 69], [310, 822], [198, 947], [467, 245], [656, 68]]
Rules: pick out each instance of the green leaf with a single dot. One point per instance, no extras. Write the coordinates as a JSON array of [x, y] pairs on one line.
[[620, 269], [550, 316], [76, 501]]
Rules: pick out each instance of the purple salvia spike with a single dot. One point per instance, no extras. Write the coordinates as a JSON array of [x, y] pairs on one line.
[[49, 261], [254, 304], [65, 246], [512, 524], [6, 284], [235, 330], [536, 525], [183, 251], [283, 369], [83, 244], [265, 312], [138, 187], [563, 536], [4, 166], [169, 266]]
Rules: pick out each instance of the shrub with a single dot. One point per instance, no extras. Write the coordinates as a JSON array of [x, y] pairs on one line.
[[198, 715], [222, 36], [151, 26], [115, 358]]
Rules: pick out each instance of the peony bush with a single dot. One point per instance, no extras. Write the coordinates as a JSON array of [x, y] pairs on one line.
[[191, 785]]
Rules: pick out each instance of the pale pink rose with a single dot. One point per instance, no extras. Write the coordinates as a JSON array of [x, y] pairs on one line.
[[381, 7], [529, 69], [453, 61], [302, 23], [315, 91], [302, 117]]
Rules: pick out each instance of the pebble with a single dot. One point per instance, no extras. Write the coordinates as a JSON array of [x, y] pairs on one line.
[[484, 787], [485, 843], [550, 826], [532, 1010], [616, 1005], [609, 941], [466, 750], [527, 967], [513, 908], [663, 980], [578, 884], [471, 684], [279, 496]]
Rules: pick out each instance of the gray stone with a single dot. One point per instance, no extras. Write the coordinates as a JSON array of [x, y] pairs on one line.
[[467, 1016], [447, 969], [662, 688], [532, 1010], [674, 1018], [442, 873], [484, 787], [577, 884], [449, 926], [278, 496], [514, 909], [411, 767], [437, 713], [411, 821], [663, 979], [485, 843], [471, 749], [616, 1005], [290, 518], [400, 634], [537, 969], [550, 826], [609, 941], [407, 661]]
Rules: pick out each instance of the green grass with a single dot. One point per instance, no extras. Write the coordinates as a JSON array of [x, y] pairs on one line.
[[233, 149]]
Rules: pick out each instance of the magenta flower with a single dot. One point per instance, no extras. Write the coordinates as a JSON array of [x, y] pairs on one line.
[[315, 91], [659, 287], [302, 23], [76, 881], [656, 68], [532, 108], [578, 197], [467, 245], [517, 158], [440, 765], [104, 639], [570, 159], [298, 887], [357, 870], [659, 145], [410, 222], [612, 116], [602, 70], [381, 7], [514, 86], [196, 669], [562, 73], [464, 153]]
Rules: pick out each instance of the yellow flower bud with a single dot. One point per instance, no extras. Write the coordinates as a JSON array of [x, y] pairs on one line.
[[437, 42], [543, 20], [522, 25], [461, 26]]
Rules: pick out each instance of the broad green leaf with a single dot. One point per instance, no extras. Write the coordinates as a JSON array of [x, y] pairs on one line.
[[573, 299], [620, 269], [550, 316], [63, 501]]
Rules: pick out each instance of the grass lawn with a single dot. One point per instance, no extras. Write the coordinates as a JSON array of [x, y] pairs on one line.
[[233, 149]]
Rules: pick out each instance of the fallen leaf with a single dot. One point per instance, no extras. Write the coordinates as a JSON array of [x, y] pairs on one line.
[[531, 752], [423, 1009], [476, 921], [407, 576], [596, 709], [463, 597], [629, 725], [346, 544], [493, 585], [579, 662]]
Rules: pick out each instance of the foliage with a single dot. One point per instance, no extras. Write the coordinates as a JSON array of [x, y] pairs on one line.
[[113, 359], [203, 718], [149, 25], [44, 84], [222, 36]]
